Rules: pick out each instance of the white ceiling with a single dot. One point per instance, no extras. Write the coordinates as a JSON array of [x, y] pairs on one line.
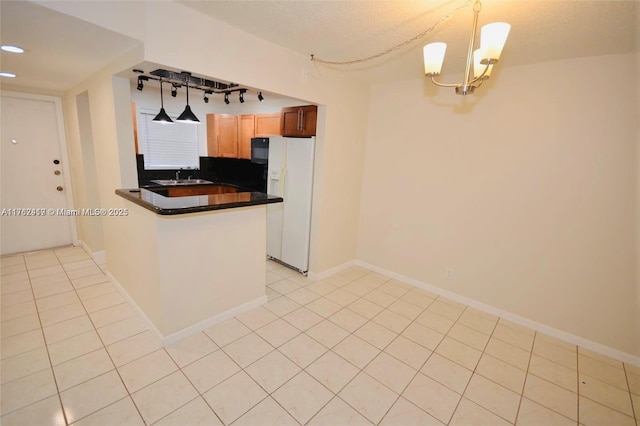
[[345, 30], [62, 50]]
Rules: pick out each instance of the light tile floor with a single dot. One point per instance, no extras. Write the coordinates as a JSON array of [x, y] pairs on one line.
[[356, 348]]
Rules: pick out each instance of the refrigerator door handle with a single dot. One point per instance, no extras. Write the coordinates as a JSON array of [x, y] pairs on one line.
[[283, 184]]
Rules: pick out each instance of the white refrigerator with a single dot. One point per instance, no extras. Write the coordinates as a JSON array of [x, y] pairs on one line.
[[290, 175]]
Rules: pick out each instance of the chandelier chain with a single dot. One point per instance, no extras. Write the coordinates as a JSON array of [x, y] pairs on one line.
[[400, 45]]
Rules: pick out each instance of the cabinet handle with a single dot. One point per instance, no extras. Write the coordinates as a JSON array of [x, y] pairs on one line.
[[59, 188], [299, 127], [302, 120]]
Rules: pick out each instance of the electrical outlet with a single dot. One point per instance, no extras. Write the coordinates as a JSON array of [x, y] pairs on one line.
[[448, 273]]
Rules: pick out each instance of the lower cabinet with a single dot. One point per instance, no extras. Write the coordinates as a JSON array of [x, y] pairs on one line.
[[200, 190]]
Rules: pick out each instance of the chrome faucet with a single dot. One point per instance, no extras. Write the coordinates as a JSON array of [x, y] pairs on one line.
[[178, 174]]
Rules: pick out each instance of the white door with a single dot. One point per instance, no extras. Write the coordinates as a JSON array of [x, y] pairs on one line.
[[33, 189]]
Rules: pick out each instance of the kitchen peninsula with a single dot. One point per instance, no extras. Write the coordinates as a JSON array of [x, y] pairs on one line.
[[196, 254]]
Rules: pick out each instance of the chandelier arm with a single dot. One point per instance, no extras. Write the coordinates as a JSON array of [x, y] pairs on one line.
[[480, 77], [437, 83]]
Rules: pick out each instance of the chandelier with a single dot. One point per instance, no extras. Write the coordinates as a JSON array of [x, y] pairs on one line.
[[492, 39]]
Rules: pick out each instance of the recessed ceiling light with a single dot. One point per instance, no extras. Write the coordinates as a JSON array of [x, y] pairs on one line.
[[11, 48], [7, 74]]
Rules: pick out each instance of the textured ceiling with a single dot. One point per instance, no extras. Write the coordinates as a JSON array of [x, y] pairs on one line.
[[345, 30], [61, 50]]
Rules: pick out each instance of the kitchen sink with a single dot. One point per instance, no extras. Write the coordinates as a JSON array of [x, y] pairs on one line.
[[175, 182]]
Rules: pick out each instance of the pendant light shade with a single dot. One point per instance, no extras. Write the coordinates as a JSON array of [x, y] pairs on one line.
[[187, 115], [162, 116]]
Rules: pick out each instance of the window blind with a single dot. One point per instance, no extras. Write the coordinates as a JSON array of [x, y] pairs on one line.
[[167, 145]]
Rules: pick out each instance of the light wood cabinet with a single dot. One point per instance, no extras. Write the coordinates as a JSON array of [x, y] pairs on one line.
[[247, 131], [267, 125], [229, 136], [299, 121], [222, 135]]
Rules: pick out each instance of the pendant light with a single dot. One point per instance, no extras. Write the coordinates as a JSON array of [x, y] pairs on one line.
[[162, 116], [187, 115], [492, 39]]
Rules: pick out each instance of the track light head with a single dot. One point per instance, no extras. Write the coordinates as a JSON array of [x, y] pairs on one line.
[[206, 96], [226, 98], [241, 96], [206, 99], [174, 91], [140, 84], [260, 97]]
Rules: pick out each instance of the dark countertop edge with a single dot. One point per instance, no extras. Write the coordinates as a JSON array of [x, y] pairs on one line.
[[127, 194]]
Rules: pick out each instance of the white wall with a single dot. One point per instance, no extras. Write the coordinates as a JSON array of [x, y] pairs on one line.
[[527, 190], [180, 38]]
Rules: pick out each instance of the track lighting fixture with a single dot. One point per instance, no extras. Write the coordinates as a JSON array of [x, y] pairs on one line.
[[162, 116], [187, 115], [177, 80]]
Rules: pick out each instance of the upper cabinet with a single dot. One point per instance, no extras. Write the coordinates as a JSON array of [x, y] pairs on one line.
[[267, 125], [222, 135], [230, 136], [299, 121], [246, 130]]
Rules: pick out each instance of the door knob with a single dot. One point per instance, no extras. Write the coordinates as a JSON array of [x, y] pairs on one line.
[[57, 172], [59, 188]]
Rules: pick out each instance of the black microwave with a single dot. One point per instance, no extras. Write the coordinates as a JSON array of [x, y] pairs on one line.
[[260, 150]]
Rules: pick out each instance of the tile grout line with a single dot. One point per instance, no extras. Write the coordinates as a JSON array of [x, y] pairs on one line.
[[107, 352], [474, 369], [578, 388], [44, 338], [526, 376]]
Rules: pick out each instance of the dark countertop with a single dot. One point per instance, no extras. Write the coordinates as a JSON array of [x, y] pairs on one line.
[[172, 200]]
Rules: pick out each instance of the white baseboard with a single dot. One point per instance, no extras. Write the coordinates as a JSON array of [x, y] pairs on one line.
[[562, 335], [192, 329], [136, 308], [202, 325], [99, 257], [329, 272]]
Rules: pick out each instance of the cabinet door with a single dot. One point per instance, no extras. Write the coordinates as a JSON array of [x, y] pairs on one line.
[[308, 119], [222, 135], [299, 121], [267, 125], [247, 131], [289, 121]]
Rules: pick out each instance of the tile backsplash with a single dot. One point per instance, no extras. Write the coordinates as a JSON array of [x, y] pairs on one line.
[[225, 170]]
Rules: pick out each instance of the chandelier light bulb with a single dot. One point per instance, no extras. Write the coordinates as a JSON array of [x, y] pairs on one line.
[[434, 57], [492, 39]]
